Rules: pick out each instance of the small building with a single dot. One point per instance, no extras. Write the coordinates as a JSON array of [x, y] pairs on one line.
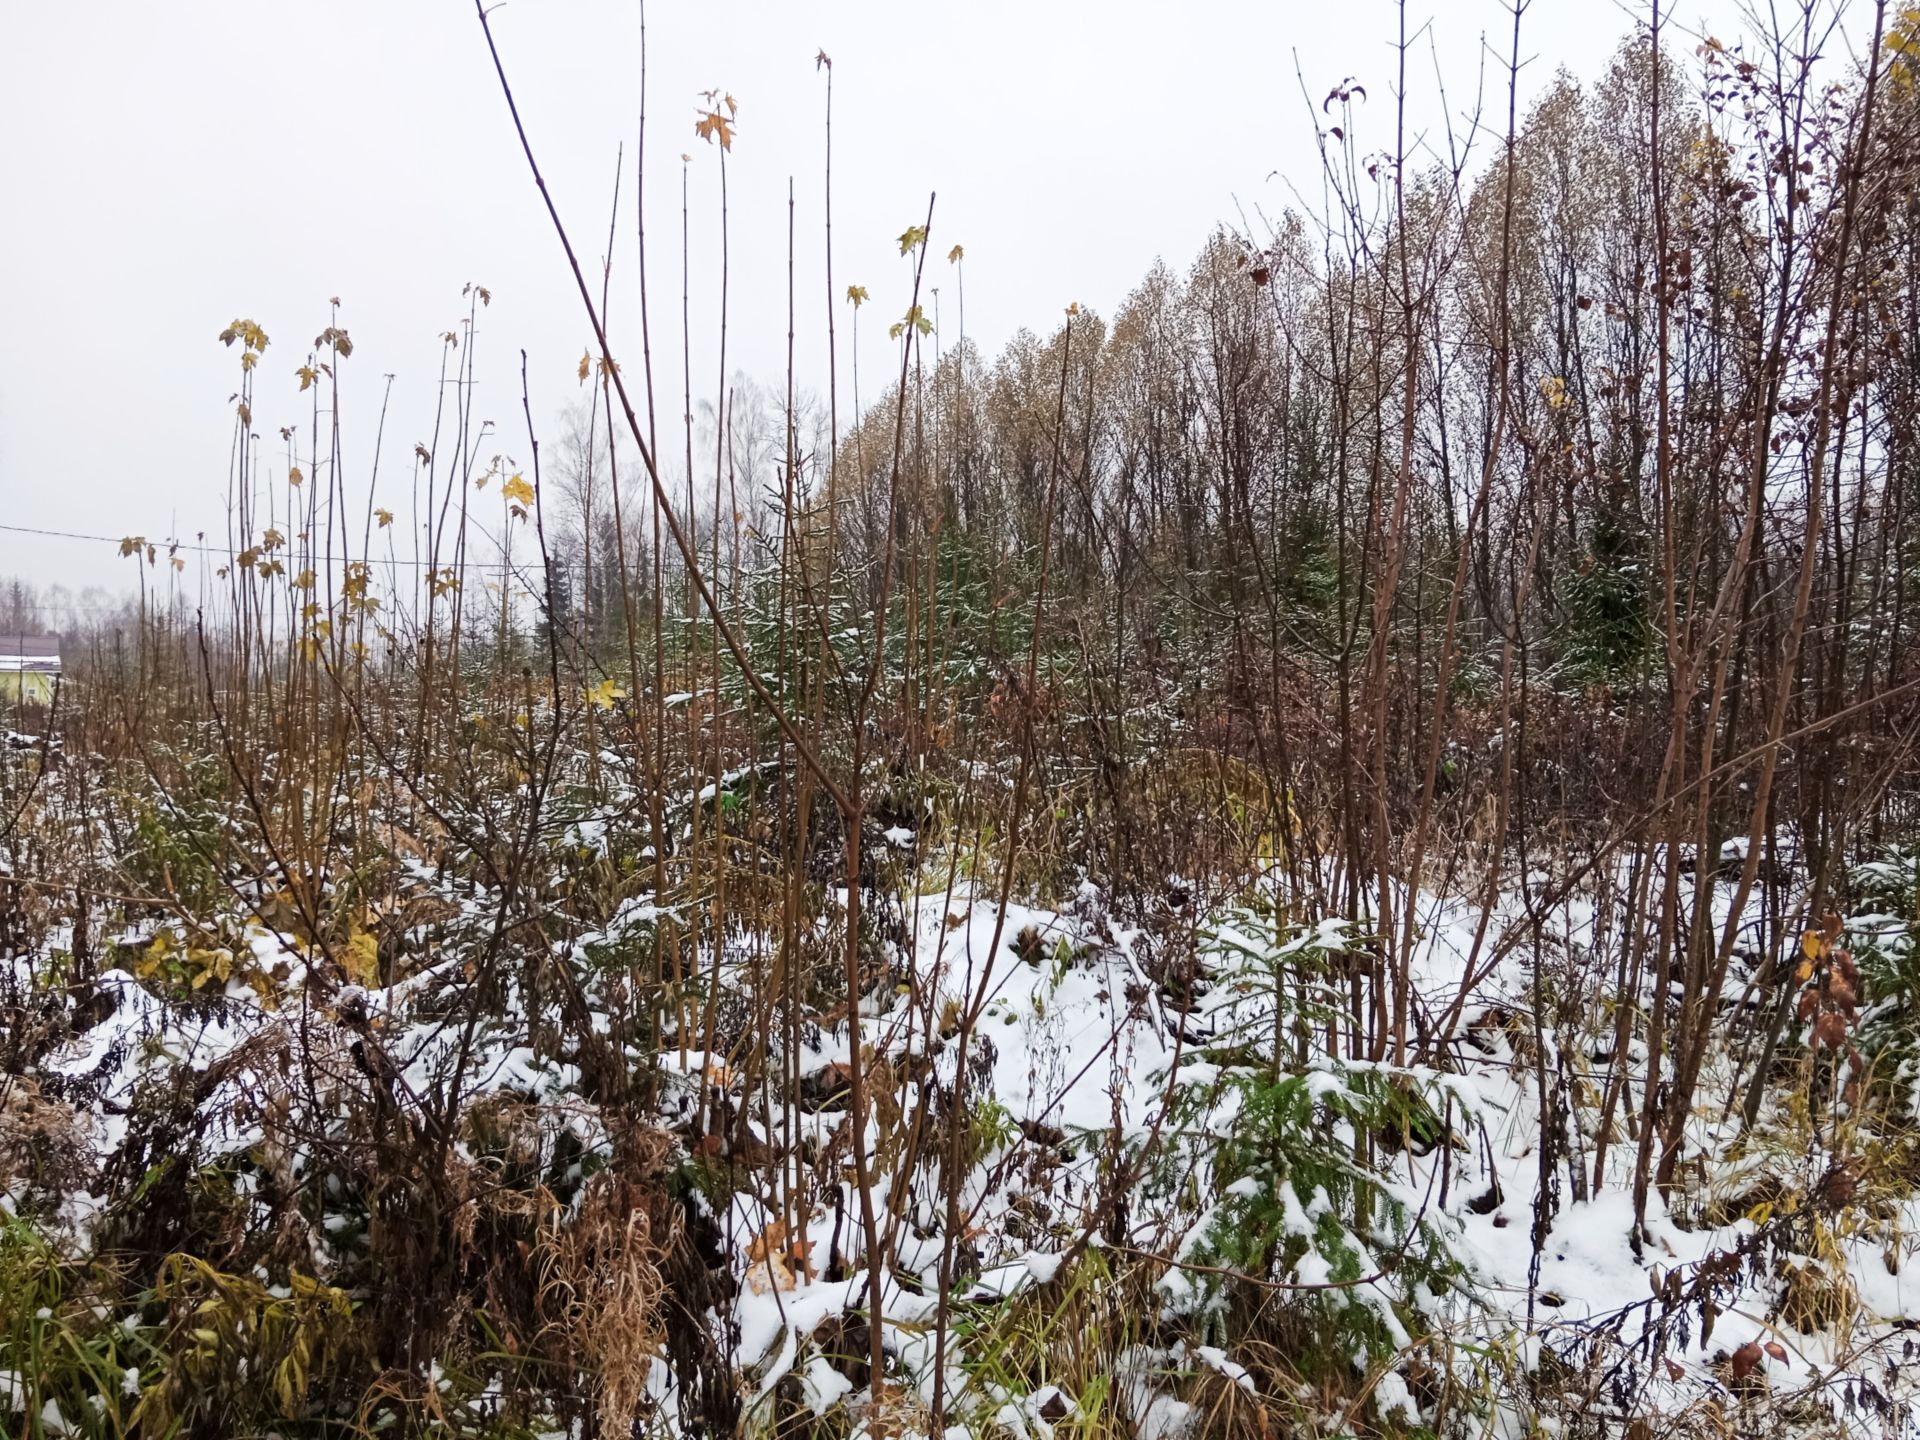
[[29, 666]]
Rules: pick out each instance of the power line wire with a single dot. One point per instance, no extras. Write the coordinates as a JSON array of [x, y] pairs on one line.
[[174, 545]]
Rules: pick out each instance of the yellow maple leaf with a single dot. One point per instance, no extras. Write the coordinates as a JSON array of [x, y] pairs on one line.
[[250, 335], [361, 957], [715, 126], [604, 694], [518, 491]]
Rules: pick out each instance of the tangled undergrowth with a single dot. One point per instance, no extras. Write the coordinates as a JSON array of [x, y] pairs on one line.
[[451, 1142]]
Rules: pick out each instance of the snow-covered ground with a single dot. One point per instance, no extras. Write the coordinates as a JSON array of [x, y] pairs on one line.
[[1084, 1061]]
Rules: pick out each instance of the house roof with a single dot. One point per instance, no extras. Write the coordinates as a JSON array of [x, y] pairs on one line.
[[30, 652]]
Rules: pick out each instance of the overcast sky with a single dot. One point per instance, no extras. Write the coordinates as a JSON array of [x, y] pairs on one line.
[[167, 168]]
